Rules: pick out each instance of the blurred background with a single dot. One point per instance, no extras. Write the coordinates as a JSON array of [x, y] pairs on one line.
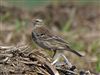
[[78, 21]]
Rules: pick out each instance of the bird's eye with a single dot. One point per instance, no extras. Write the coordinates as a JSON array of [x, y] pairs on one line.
[[36, 21]]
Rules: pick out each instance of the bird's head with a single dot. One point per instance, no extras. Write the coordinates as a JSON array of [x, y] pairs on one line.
[[37, 22]]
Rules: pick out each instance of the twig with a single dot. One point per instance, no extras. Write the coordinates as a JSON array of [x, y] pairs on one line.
[[4, 60], [6, 55]]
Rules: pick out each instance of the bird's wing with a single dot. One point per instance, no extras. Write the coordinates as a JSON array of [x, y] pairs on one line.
[[44, 34], [47, 35], [54, 44], [57, 38]]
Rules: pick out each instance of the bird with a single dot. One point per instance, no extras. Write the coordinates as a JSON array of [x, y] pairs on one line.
[[46, 39]]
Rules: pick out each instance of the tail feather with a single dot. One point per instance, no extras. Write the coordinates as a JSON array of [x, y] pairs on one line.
[[75, 52]]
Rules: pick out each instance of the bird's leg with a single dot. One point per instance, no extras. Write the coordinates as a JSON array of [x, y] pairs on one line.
[[58, 58], [54, 53], [66, 60]]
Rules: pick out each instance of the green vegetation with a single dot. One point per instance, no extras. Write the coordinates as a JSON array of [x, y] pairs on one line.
[[68, 23], [98, 64]]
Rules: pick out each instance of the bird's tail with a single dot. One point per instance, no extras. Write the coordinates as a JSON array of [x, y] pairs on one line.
[[75, 52]]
